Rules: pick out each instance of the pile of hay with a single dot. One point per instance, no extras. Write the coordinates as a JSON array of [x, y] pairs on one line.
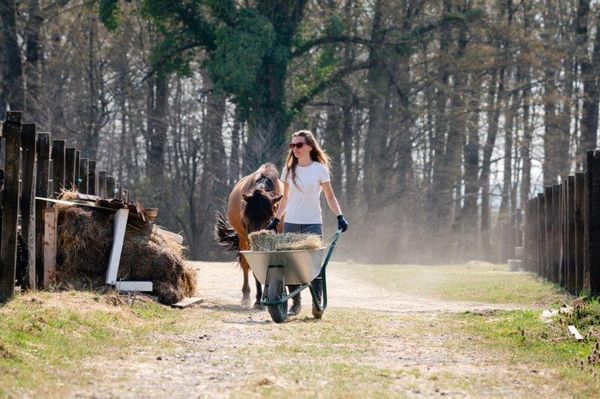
[[267, 240], [84, 242]]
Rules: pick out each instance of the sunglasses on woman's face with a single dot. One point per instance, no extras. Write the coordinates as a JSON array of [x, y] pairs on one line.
[[297, 145]]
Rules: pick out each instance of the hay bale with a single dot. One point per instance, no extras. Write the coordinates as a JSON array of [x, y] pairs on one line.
[[267, 240], [84, 243]]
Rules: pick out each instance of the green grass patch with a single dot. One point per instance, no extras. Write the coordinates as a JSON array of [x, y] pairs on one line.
[[524, 339], [478, 282], [45, 336]]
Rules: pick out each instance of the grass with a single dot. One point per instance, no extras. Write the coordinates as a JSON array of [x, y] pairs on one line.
[[476, 282], [45, 336], [523, 339], [352, 353]]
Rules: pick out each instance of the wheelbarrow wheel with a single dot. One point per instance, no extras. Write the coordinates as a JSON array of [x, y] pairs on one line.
[[275, 291]]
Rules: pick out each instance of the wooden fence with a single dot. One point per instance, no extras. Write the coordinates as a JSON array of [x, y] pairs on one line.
[[562, 231], [37, 166]]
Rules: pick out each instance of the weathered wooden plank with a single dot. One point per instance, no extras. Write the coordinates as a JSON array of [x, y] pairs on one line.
[[579, 205], [50, 243], [140, 286], [28, 177], [11, 132], [42, 189], [58, 166], [573, 330], [70, 168], [184, 303]]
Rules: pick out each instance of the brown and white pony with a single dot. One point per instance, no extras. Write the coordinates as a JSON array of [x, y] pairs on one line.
[[252, 204]]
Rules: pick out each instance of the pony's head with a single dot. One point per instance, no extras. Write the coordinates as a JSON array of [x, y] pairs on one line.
[[259, 209]]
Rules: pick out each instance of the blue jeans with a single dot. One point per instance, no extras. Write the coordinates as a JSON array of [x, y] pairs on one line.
[[317, 229], [303, 228]]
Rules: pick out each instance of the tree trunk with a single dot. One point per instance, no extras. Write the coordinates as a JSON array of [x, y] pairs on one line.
[[348, 137], [495, 100], [377, 129], [236, 142], [157, 129], [270, 119], [13, 69], [591, 94], [333, 144], [32, 61], [469, 215]]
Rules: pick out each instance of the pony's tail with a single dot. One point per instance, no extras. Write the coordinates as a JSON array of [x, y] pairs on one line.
[[225, 234]]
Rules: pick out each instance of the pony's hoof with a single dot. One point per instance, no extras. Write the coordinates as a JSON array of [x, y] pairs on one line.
[[246, 302], [258, 306]]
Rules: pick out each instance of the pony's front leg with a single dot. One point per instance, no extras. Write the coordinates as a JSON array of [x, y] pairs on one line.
[[245, 288], [257, 304]]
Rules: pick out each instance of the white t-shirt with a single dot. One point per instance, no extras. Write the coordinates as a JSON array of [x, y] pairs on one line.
[[304, 197]]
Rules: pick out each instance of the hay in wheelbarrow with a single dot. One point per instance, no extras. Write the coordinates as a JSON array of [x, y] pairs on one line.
[[268, 240], [84, 242]]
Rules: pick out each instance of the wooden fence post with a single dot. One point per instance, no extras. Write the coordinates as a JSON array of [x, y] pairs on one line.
[[554, 276], [77, 170], [548, 207], [541, 234], [92, 178], [561, 236], [70, 168], [50, 241], [41, 190], [102, 184], [58, 166], [11, 132], [110, 187], [27, 204], [578, 205], [532, 241], [571, 267], [83, 175], [592, 274]]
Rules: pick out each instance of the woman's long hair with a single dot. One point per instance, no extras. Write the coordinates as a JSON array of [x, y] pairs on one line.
[[317, 154]]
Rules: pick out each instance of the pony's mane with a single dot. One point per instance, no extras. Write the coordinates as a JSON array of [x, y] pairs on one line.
[[267, 171]]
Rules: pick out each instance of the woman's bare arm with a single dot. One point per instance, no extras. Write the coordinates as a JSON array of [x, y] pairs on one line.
[[331, 199]]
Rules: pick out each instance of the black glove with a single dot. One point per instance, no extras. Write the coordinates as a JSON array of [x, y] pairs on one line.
[[342, 224], [273, 224]]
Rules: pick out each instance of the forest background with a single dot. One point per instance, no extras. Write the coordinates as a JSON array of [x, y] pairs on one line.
[[441, 116]]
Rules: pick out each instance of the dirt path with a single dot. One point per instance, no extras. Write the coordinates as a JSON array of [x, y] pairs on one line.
[[219, 361], [221, 283]]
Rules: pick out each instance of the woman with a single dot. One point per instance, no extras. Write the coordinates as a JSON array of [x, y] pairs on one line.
[[305, 175]]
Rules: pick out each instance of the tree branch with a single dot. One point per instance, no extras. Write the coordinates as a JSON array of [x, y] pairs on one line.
[[336, 77], [330, 40]]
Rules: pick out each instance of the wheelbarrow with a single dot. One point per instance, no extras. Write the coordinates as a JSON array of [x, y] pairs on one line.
[[276, 269]]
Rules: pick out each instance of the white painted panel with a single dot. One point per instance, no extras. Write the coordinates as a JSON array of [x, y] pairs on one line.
[[119, 228]]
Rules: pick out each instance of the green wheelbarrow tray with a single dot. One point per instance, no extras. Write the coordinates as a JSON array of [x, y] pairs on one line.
[[296, 267]]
